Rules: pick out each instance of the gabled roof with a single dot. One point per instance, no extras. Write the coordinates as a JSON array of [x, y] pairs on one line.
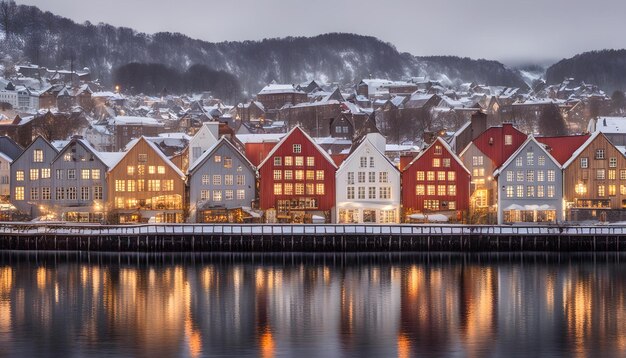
[[483, 142], [108, 159], [584, 146], [158, 151], [9, 147], [297, 128], [521, 147], [362, 142], [207, 153], [39, 137], [446, 146], [562, 147]]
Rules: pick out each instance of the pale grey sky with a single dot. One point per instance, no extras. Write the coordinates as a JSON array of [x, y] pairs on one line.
[[509, 31]]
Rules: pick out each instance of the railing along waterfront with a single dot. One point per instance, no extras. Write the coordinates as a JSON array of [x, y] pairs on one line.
[[295, 237]]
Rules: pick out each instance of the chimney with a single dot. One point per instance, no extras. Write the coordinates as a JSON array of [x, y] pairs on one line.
[[478, 123], [406, 159]]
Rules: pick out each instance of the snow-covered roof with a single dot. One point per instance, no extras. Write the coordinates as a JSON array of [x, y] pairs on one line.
[[130, 120], [319, 149], [208, 152], [260, 137], [611, 125], [279, 88]]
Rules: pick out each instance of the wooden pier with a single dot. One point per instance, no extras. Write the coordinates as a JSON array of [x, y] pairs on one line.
[[309, 238]]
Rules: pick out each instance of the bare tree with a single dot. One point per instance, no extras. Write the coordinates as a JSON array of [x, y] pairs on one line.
[[8, 11]]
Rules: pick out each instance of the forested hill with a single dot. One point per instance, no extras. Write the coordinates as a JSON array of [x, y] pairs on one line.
[[606, 68], [50, 40]]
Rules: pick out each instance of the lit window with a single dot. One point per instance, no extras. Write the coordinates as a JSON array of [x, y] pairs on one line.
[[151, 169], [288, 161], [441, 190], [520, 175], [205, 179], [509, 191], [38, 156], [451, 205], [441, 176], [540, 175], [622, 174], [612, 174], [541, 160], [154, 185], [520, 191], [278, 189], [278, 175], [530, 191], [228, 163], [217, 195], [297, 148], [419, 189], [95, 174], [508, 139], [45, 173], [119, 203], [217, 179], [477, 160], [130, 170], [509, 176], [551, 191], [420, 175], [430, 190], [540, 191], [310, 174], [310, 161], [612, 190], [167, 185], [241, 194], [217, 159], [67, 157], [161, 169], [228, 194], [452, 190], [438, 150], [299, 174], [518, 161], [288, 174], [131, 185], [141, 170], [120, 185], [288, 189], [34, 174], [431, 204], [300, 189], [551, 175], [319, 175], [600, 174], [530, 158], [204, 194], [430, 175], [299, 161], [319, 189], [601, 190], [436, 162], [451, 176], [85, 174]]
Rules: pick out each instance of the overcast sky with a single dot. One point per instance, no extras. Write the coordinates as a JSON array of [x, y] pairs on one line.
[[507, 30]]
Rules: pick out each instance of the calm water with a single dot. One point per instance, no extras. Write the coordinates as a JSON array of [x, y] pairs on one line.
[[73, 305]]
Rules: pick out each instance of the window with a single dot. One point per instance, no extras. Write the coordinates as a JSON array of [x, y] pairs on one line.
[[451, 205], [436, 162], [451, 176], [600, 174], [530, 158], [419, 190], [300, 189], [141, 185], [452, 190], [310, 174], [278, 189], [420, 175], [612, 189], [299, 174], [71, 174], [167, 185], [119, 203], [509, 175], [141, 170], [371, 162], [154, 185], [95, 174], [205, 179], [310, 161], [518, 161], [130, 170], [85, 174], [288, 174], [441, 190], [540, 175], [530, 191], [228, 163], [509, 191], [228, 194], [430, 190], [508, 139], [441, 175], [385, 192], [278, 161], [241, 194], [297, 148], [520, 175], [217, 195], [45, 193], [45, 173], [120, 185], [142, 158], [34, 193], [288, 189], [241, 180], [38, 156], [361, 192], [551, 175], [612, 162], [612, 174], [540, 192], [204, 194], [299, 161], [599, 153], [217, 179], [431, 204], [131, 185], [288, 161], [383, 177], [622, 174], [71, 193], [67, 157], [446, 162], [438, 150], [430, 175], [478, 172], [350, 193], [161, 169], [217, 159], [584, 162], [477, 160], [229, 179], [84, 193], [34, 174], [541, 160], [319, 175], [60, 194], [601, 190], [350, 178], [19, 193], [520, 191], [530, 176], [278, 175], [319, 189], [19, 175], [361, 177], [97, 192], [372, 177], [371, 192], [550, 191], [151, 169]]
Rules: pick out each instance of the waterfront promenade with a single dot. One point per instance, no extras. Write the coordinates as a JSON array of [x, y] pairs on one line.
[[308, 238]]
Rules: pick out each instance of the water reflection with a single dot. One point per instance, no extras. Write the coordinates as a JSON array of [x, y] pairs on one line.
[[73, 304]]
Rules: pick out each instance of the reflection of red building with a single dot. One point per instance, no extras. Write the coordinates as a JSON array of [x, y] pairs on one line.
[[297, 179], [435, 181]]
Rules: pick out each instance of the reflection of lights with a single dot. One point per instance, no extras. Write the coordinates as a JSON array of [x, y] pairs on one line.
[[41, 278], [404, 346], [267, 344], [6, 280], [415, 278]]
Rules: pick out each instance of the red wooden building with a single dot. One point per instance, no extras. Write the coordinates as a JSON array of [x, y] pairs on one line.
[[436, 181], [499, 143], [297, 181]]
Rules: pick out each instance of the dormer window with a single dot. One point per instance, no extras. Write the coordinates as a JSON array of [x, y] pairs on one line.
[[297, 148], [508, 139], [438, 150], [38, 156]]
